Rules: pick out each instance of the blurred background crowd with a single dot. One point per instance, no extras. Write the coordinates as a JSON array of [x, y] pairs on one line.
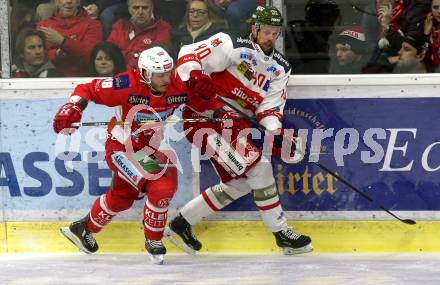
[[101, 38]]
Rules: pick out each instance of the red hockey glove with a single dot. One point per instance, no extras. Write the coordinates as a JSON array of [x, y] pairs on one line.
[[231, 120], [201, 84], [68, 113], [292, 140], [151, 137]]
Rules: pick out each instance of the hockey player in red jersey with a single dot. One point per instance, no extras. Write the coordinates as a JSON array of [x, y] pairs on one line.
[[153, 91], [252, 76]]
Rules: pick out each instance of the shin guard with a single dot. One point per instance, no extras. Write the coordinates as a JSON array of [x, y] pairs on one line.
[[196, 209], [100, 215], [213, 199], [155, 219], [268, 202]]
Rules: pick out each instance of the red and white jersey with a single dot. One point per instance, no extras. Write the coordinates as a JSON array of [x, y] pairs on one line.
[[254, 82], [125, 91]]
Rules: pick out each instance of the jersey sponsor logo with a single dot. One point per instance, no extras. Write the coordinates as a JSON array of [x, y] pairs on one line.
[[227, 154], [121, 82], [216, 42], [246, 55], [104, 83], [187, 58], [280, 59], [123, 167], [153, 116], [176, 99], [246, 69], [134, 99], [231, 156], [239, 92], [271, 69], [244, 41]]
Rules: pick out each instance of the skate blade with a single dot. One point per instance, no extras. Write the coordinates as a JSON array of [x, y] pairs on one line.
[[156, 259], [175, 239], [300, 250], [70, 236]]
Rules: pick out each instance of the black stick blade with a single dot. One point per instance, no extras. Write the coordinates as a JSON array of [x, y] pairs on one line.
[[409, 221]]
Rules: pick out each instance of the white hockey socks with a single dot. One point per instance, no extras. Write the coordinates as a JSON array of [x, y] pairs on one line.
[[268, 202], [196, 209], [211, 200], [155, 219]]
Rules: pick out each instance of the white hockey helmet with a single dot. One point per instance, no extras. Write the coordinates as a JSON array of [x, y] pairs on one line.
[[154, 60]]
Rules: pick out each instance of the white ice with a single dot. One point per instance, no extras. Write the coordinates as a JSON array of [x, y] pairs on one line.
[[216, 269]]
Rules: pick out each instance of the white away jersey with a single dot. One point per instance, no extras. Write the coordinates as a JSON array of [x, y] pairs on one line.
[[244, 75]]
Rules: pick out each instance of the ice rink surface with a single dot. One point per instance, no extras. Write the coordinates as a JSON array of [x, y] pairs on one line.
[[208, 269]]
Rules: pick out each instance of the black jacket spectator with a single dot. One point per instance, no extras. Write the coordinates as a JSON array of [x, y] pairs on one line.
[[183, 37], [198, 24], [411, 21]]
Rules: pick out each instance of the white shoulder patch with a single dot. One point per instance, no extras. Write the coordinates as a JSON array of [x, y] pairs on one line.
[[107, 83]]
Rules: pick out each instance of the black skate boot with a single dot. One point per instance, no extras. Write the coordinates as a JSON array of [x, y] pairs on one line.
[[80, 236], [293, 243], [156, 250], [180, 227]]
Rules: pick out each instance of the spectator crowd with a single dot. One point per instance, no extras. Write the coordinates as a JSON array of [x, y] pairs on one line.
[[104, 37], [389, 36]]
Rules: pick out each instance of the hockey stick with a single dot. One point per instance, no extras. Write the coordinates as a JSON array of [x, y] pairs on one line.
[[345, 182], [145, 122]]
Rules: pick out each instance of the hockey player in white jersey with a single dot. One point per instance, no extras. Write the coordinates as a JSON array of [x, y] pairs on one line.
[[251, 75]]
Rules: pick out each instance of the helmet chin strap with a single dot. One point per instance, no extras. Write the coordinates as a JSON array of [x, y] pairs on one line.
[[147, 81]]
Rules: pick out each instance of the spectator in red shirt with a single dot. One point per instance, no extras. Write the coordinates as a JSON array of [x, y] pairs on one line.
[[140, 32], [71, 35]]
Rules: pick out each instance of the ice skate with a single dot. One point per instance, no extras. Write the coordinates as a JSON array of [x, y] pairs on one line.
[[180, 234], [293, 243], [80, 236], [156, 251]]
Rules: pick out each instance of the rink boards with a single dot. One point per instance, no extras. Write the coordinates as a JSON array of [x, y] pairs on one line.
[[45, 179], [238, 236]]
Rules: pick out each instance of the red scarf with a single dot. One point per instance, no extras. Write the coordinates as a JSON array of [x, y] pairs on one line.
[[398, 9]]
